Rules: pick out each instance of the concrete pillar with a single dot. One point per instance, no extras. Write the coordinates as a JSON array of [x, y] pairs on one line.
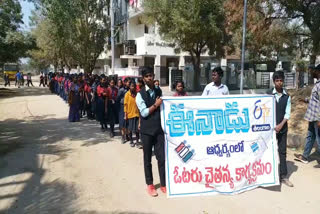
[[182, 62], [157, 67]]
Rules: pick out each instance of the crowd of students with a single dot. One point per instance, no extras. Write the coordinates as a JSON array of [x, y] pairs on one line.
[[135, 106], [105, 99]]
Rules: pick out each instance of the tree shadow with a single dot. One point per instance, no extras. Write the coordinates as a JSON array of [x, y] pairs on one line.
[[23, 145], [24, 91]]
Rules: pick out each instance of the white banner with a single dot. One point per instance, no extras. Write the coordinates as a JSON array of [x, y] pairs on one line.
[[219, 145]]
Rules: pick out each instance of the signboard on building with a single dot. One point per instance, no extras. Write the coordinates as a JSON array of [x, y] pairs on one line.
[[219, 145]]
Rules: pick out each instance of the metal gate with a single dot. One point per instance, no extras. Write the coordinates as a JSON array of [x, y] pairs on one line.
[[290, 80]]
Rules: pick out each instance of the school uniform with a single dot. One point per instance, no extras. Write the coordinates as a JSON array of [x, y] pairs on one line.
[[88, 94], [112, 94], [151, 133], [101, 108], [120, 99], [132, 111], [283, 109], [74, 115]]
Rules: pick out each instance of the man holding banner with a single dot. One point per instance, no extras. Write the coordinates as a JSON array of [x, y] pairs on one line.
[[219, 144], [148, 101], [283, 110]]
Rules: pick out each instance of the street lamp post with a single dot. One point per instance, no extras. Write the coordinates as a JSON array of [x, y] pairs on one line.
[[112, 8], [244, 28]]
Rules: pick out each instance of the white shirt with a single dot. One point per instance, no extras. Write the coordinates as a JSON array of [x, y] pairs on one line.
[[211, 90]]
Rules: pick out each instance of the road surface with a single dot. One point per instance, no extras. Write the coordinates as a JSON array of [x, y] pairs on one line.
[[48, 165]]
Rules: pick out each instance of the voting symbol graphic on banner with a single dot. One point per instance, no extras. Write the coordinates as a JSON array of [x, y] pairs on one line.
[[219, 145]]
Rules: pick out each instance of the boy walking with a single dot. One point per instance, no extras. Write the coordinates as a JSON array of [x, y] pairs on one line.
[[313, 116], [283, 110], [148, 101]]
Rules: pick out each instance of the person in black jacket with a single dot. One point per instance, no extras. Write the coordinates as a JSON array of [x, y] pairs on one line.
[[148, 101], [283, 109]]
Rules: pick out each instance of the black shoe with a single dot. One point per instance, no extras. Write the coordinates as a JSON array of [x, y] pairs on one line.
[[123, 141], [111, 134], [132, 144], [127, 137]]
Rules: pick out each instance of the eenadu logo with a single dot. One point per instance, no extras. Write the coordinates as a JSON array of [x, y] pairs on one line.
[[261, 128]]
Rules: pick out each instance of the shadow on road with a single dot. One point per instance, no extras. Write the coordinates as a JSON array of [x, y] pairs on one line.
[[24, 91], [23, 146]]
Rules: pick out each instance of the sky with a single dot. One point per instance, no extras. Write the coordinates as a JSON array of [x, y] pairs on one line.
[[27, 7]]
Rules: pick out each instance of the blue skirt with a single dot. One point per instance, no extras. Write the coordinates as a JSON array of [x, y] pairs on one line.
[[133, 124], [101, 115], [122, 121], [74, 115]]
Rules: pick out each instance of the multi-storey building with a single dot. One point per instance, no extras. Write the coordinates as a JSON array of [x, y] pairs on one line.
[[139, 44]]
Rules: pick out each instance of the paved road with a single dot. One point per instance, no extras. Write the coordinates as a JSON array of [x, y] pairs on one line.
[[48, 165]]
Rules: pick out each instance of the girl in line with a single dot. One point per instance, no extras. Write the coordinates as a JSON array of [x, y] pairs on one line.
[[132, 114], [112, 93], [180, 89], [120, 99], [101, 104], [74, 101], [88, 98]]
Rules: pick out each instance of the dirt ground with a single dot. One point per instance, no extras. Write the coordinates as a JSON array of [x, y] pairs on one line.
[[48, 165]]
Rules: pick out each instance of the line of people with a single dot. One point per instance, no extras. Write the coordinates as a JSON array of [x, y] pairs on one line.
[[105, 99], [136, 107], [20, 80]]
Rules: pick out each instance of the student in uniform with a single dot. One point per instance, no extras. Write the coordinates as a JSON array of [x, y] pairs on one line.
[[112, 93], [88, 98], [122, 121], [140, 84], [148, 101], [180, 92], [6, 80], [283, 109], [101, 104], [119, 84], [46, 79], [41, 80], [132, 114], [156, 83], [74, 101], [29, 80]]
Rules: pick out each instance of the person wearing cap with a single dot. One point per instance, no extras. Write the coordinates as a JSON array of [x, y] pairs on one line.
[[313, 116], [148, 101], [216, 87]]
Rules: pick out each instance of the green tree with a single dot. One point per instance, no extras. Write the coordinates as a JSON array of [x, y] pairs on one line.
[[46, 51], [79, 31], [195, 26], [306, 12], [267, 36], [14, 43]]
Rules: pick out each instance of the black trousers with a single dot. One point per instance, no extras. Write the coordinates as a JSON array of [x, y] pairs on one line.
[[282, 150], [156, 141], [29, 82]]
